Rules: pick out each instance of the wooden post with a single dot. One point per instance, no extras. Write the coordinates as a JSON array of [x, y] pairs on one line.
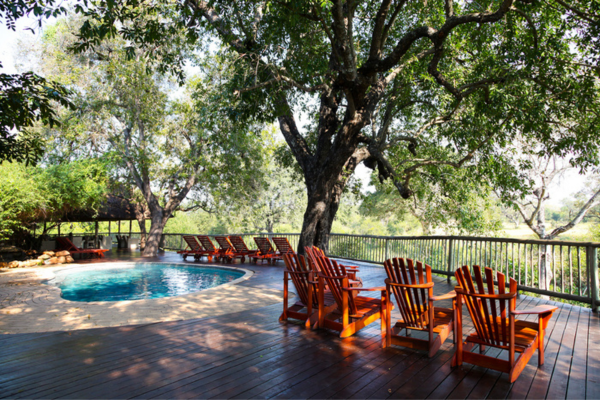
[[96, 235], [43, 233], [387, 256], [450, 256], [59, 229], [108, 228], [592, 262], [130, 221], [119, 227]]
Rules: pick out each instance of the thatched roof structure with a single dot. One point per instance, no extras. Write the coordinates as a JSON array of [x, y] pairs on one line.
[[113, 209]]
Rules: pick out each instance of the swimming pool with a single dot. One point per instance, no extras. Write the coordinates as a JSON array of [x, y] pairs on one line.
[[136, 281]]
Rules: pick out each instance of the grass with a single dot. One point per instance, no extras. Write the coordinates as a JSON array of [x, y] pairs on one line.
[[580, 233]]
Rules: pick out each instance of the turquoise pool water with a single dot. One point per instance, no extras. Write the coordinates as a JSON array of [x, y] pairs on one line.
[[138, 281]]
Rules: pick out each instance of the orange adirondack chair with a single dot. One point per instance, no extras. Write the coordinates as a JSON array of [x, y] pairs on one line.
[[413, 290], [265, 251], [64, 243], [352, 313], [240, 247], [195, 249], [210, 250], [493, 314], [303, 280], [312, 252], [227, 251], [283, 246]]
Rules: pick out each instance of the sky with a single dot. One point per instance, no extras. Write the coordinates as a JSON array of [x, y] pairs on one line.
[[561, 190]]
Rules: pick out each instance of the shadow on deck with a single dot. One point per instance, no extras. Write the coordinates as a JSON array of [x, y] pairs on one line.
[[252, 355]]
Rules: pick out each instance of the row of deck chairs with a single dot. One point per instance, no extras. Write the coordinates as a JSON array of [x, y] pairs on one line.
[[234, 247], [329, 296]]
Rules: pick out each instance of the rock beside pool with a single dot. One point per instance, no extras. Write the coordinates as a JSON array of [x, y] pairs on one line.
[[48, 258]]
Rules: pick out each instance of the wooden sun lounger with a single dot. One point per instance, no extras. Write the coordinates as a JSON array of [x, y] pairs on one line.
[[64, 243], [210, 250], [240, 247], [195, 248], [265, 251], [227, 251], [283, 246]]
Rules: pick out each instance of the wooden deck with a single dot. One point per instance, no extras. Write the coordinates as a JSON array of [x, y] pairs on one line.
[[252, 355]]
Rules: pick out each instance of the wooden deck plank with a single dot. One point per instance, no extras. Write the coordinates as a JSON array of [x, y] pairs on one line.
[[592, 386], [65, 366], [164, 354], [252, 355], [577, 373], [541, 381], [560, 375], [460, 383]]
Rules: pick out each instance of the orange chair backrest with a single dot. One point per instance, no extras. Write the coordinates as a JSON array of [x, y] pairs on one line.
[[300, 275], [283, 245], [412, 288], [224, 243], [192, 243], [206, 242], [334, 276], [238, 243], [264, 245], [488, 305]]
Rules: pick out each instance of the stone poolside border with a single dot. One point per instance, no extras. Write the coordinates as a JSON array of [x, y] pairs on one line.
[[27, 305]]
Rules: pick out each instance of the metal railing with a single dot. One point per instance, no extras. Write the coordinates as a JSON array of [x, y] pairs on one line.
[[561, 269]]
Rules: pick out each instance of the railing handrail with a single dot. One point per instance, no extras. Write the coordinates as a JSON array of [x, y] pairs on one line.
[[412, 237], [563, 269]]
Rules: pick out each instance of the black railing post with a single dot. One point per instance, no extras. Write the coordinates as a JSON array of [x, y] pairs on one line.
[[450, 244], [592, 263]]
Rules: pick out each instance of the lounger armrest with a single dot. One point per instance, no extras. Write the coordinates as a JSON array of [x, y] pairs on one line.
[[361, 289], [350, 267], [449, 295], [535, 310]]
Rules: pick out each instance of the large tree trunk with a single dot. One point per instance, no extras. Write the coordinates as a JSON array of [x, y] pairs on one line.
[[158, 221], [323, 203], [140, 216]]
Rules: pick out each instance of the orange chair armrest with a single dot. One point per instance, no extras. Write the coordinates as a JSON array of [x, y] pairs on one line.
[[449, 295], [535, 310], [350, 267], [372, 289]]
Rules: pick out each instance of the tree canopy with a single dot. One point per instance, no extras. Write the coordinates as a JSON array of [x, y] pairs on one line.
[[453, 83], [177, 147]]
